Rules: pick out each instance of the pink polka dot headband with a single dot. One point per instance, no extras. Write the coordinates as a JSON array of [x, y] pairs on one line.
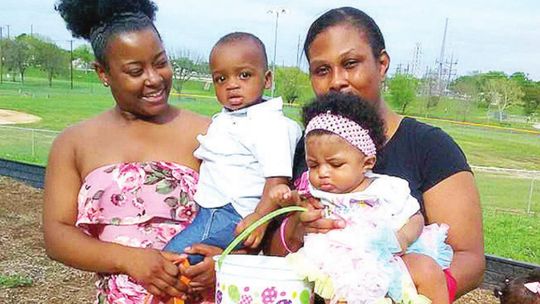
[[345, 128]]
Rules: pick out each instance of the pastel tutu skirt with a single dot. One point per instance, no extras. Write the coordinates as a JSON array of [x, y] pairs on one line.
[[359, 264]]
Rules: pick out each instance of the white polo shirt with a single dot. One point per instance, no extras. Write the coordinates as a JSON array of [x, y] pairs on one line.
[[240, 150]]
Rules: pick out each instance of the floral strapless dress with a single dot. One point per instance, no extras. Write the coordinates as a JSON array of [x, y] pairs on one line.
[[140, 204]]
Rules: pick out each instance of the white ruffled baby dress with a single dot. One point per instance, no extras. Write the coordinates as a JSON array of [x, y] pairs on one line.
[[359, 263]]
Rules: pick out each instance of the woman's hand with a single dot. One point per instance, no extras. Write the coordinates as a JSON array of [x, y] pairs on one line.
[[155, 271], [202, 275], [313, 219]]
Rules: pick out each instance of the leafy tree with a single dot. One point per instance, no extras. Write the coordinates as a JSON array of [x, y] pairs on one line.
[[429, 91], [531, 92], [467, 88], [84, 55], [520, 78], [402, 89], [18, 56], [531, 98], [289, 84], [51, 59], [502, 92], [185, 65], [3, 45]]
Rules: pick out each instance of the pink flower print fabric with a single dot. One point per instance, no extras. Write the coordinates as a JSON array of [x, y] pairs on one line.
[[138, 205]]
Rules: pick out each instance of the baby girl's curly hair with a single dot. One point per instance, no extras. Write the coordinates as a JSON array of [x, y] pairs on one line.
[[352, 107], [515, 292]]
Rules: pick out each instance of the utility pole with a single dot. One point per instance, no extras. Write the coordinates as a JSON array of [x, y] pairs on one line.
[[7, 25], [415, 66], [298, 53], [398, 69], [1, 57], [451, 72], [440, 86], [276, 12], [71, 62]]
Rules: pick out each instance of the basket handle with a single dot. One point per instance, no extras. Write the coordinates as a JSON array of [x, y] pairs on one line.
[[254, 226]]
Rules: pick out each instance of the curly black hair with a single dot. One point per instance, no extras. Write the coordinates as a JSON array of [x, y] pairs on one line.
[[98, 20], [514, 291], [352, 107]]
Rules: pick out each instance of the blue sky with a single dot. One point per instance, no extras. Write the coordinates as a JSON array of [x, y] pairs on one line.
[[482, 35]]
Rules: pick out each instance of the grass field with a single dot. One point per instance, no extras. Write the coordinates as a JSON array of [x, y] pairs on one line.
[[504, 197], [459, 110], [512, 235]]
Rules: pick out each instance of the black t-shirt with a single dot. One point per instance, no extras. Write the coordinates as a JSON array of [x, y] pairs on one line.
[[419, 153]]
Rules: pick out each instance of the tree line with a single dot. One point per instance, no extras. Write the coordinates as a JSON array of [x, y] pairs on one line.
[[488, 90], [500, 90], [485, 90], [25, 51]]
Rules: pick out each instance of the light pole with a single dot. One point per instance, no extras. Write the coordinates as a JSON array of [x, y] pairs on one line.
[[71, 62], [276, 12], [1, 58]]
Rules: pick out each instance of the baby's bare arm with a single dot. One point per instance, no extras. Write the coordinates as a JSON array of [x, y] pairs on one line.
[[265, 206], [410, 231]]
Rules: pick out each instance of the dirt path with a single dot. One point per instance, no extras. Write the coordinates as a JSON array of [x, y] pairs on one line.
[[14, 117], [22, 253]]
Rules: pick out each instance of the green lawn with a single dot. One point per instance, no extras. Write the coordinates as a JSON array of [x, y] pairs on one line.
[[459, 110], [486, 146], [507, 234], [508, 230], [509, 193], [513, 236]]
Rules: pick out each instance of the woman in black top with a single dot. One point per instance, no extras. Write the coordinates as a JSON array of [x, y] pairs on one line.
[[346, 53]]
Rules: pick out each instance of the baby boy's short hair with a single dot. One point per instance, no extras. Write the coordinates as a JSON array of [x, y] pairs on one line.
[[240, 36]]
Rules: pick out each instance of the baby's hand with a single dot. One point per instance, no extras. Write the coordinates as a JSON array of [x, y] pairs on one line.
[[255, 238], [283, 196]]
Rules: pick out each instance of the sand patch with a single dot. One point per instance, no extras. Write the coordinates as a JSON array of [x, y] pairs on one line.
[[8, 117]]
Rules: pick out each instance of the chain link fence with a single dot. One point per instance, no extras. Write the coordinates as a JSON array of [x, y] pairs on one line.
[[26, 145], [501, 190], [509, 190]]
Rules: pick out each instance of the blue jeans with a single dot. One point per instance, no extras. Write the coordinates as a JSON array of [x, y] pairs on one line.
[[211, 226]]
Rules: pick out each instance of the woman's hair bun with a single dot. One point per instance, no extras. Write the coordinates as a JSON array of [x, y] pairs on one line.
[[83, 15]]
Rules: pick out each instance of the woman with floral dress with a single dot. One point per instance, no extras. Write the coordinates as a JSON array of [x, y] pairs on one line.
[[121, 184]]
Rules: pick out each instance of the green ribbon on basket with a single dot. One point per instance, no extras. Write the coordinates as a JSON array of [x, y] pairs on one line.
[[254, 226]]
